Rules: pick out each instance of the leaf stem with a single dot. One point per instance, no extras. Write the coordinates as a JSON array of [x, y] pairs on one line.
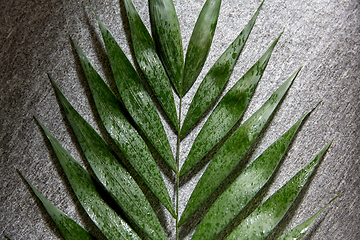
[[178, 172]]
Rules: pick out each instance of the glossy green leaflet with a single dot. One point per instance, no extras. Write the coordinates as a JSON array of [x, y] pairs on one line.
[[134, 123]]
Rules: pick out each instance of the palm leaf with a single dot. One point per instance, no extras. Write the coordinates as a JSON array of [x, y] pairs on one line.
[[200, 42], [166, 32], [135, 126]]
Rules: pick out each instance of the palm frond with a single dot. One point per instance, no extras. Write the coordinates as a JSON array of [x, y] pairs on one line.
[[135, 126]]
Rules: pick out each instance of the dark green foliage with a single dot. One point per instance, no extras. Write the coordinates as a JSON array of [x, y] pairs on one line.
[[161, 61]]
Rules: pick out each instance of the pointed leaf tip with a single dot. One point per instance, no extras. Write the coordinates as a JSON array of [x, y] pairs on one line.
[[300, 230], [67, 226]]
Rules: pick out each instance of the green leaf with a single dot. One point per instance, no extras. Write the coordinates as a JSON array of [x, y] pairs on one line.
[[233, 150], [200, 42], [105, 218], [113, 176], [135, 97], [150, 63], [300, 230], [124, 134], [261, 221], [245, 187], [67, 226], [166, 33], [215, 80], [227, 112]]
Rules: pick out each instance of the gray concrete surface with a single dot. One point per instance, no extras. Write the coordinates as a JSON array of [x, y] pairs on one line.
[[322, 36]]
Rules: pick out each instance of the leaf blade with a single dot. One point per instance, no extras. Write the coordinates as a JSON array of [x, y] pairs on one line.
[[200, 42], [150, 63], [245, 186], [124, 134], [136, 99], [167, 36], [89, 197], [217, 77], [67, 226], [233, 150], [113, 176], [227, 112], [260, 222]]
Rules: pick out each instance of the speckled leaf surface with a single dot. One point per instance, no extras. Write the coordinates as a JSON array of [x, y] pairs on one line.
[[128, 140], [235, 147], [105, 218], [264, 218], [167, 36], [136, 99], [215, 80], [227, 112], [150, 63], [200, 42], [245, 186], [319, 35], [114, 177]]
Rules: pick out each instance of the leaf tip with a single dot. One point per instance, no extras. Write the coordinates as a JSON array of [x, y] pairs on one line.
[[53, 83], [92, 8], [18, 171], [261, 5], [38, 121]]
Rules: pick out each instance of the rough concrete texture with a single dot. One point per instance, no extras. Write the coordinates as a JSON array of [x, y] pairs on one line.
[[322, 36]]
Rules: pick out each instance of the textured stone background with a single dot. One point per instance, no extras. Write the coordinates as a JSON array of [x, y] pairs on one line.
[[322, 36]]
